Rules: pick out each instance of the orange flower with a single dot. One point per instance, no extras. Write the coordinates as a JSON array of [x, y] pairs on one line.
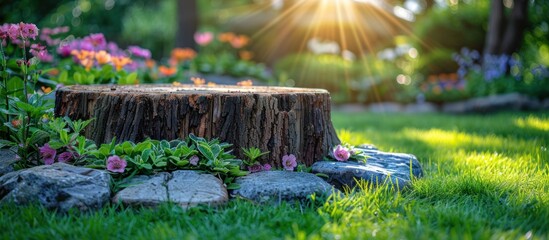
[[46, 89], [102, 57], [167, 71], [120, 62], [82, 54], [182, 54], [53, 72], [84, 57], [198, 81], [246, 83], [226, 37], [211, 84], [240, 41], [150, 63], [245, 55], [16, 123]]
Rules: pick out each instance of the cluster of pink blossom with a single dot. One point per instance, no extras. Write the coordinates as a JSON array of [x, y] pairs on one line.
[[18, 31], [49, 154], [258, 167], [47, 35]]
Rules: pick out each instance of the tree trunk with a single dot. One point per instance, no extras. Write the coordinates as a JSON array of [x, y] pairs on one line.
[[504, 34], [515, 29], [495, 27], [280, 120], [187, 23]]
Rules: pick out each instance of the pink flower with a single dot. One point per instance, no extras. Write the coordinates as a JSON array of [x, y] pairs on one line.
[[116, 164], [204, 38], [139, 52], [341, 153], [28, 30], [255, 168], [13, 32], [267, 167], [96, 40], [289, 162], [4, 31], [48, 154], [65, 157], [194, 160]]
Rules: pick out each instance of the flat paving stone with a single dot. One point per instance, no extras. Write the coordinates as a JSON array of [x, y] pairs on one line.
[[184, 188], [280, 186], [396, 169]]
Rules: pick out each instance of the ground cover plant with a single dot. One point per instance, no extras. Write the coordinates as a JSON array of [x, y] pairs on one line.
[[486, 177]]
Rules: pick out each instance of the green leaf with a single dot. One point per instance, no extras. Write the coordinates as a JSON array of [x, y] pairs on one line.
[[233, 186], [206, 151], [63, 77], [56, 144], [182, 163], [145, 155], [146, 166]]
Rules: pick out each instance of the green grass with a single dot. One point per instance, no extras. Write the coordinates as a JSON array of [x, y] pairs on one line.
[[486, 177]]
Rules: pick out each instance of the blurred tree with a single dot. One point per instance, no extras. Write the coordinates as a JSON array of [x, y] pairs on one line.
[[505, 33], [187, 23]]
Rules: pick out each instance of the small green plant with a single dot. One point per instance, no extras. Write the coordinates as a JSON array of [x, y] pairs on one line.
[[152, 156], [253, 154], [252, 163]]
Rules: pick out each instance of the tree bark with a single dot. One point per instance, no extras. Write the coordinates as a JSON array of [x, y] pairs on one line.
[[515, 29], [279, 120], [496, 23], [505, 34], [187, 23]]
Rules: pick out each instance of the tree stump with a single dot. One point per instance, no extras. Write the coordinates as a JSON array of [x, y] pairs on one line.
[[275, 119]]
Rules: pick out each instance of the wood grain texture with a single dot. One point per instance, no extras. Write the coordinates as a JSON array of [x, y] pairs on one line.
[[280, 120]]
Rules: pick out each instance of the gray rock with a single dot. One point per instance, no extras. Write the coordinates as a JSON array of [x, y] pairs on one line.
[[184, 188], [7, 159], [280, 186], [59, 186], [510, 101], [144, 191], [380, 168]]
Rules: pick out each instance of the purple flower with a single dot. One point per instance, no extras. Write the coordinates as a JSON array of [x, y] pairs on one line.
[[65, 157], [48, 154], [194, 160], [267, 167], [116, 164], [341, 153], [139, 52], [289, 162], [255, 168], [64, 49]]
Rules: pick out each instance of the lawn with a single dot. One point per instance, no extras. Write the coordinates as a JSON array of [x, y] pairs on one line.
[[486, 177]]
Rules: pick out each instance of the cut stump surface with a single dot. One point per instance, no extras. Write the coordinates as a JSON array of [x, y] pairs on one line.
[[275, 119]]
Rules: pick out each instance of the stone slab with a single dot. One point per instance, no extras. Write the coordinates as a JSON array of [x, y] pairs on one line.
[[144, 191], [184, 188], [280, 186]]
